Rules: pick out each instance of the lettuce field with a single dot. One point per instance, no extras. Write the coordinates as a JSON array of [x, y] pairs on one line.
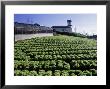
[[55, 56]]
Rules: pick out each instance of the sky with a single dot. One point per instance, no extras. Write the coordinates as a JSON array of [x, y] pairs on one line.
[[84, 23]]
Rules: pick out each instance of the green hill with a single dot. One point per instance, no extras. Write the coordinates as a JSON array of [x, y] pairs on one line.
[[55, 56]]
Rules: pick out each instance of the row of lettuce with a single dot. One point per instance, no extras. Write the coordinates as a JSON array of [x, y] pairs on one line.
[[55, 65], [91, 72]]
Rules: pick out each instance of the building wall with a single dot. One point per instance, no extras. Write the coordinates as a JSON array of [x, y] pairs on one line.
[[63, 29], [21, 28]]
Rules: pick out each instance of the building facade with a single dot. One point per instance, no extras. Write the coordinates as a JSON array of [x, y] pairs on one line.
[[23, 28], [67, 28]]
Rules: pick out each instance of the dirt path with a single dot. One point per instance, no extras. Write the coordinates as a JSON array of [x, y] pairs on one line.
[[29, 36]]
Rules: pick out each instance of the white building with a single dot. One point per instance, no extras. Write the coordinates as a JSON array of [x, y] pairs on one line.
[[63, 28]]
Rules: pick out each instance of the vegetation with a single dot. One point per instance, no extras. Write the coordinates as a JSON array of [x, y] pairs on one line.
[[76, 35], [55, 56]]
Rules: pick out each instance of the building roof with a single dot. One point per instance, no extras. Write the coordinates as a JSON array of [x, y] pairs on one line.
[[61, 27]]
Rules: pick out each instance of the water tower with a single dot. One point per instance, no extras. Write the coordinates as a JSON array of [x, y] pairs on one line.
[[69, 23]]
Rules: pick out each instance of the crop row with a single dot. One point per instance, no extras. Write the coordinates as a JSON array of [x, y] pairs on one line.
[[55, 65], [59, 47], [36, 57], [40, 51], [90, 72], [60, 51], [47, 49]]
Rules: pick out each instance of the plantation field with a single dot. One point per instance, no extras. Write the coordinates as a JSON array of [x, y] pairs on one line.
[[55, 56]]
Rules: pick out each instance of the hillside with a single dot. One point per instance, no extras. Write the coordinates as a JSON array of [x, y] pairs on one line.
[[55, 56]]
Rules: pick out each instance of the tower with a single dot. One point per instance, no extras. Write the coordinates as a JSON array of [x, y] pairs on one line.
[[69, 23]]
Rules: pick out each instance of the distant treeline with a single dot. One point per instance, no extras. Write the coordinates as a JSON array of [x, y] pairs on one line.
[[76, 35]]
